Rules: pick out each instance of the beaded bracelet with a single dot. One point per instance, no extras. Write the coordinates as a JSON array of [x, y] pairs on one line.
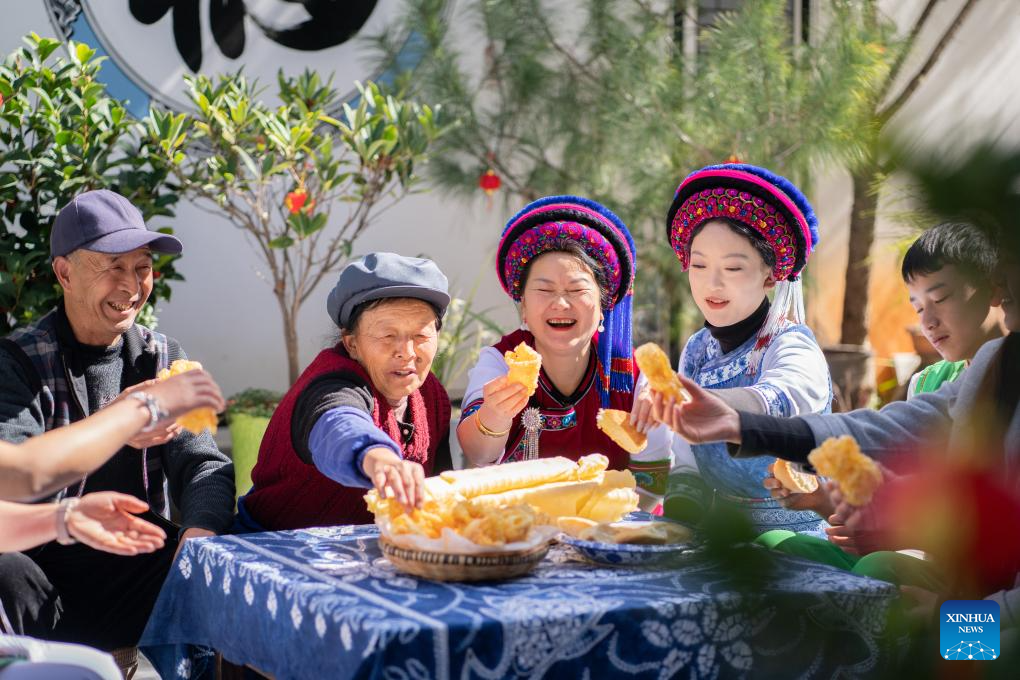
[[64, 536]]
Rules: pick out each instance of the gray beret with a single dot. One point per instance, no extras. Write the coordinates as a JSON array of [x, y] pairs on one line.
[[386, 275]]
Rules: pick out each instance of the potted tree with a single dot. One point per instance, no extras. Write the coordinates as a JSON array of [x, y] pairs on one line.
[[248, 415], [302, 184]]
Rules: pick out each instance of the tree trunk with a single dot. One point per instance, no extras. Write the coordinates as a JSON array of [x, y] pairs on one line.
[[290, 339], [854, 329]]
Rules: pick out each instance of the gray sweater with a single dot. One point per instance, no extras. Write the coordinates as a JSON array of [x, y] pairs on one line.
[[199, 478], [941, 420]]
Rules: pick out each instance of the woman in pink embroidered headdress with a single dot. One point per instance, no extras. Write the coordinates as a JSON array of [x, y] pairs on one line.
[[569, 264], [743, 231]]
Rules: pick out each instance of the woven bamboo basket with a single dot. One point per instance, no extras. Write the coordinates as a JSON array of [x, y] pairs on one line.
[[494, 566]]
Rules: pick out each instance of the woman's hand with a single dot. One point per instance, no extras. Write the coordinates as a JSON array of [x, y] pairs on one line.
[[163, 432], [705, 418], [105, 521], [817, 501], [395, 477], [502, 401], [641, 412]]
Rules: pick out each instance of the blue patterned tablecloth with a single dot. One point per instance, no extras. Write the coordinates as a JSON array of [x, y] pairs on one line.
[[324, 603]]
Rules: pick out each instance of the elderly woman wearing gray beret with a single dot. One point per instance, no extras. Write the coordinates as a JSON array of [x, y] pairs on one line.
[[366, 412]]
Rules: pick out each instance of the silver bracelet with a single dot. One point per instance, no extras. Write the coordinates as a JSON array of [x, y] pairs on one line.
[[65, 507], [156, 413]]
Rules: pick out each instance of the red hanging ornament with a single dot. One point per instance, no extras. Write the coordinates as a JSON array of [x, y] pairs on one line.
[[489, 182]]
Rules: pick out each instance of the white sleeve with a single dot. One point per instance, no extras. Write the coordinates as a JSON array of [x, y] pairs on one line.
[[490, 365], [912, 385], [660, 437], [794, 378]]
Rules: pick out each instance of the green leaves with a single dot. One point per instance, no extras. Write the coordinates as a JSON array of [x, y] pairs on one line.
[[60, 134], [278, 170]]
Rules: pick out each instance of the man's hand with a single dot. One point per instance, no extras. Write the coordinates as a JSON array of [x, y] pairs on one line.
[[193, 532], [395, 477], [705, 418], [105, 521], [860, 530], [817, 501], [162, 433]]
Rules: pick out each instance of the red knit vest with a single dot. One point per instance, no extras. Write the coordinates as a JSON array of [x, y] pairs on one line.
[[288, 493]]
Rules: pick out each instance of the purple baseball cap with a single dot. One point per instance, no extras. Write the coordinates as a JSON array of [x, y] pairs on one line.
[[105, 222]]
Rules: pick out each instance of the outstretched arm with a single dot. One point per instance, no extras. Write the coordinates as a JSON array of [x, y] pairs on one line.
[[104, 521], [48, 462]]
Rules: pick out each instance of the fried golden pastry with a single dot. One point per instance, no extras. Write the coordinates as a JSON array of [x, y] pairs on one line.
[[473, 482], [574, 526], [199, 419], [524, 364], [840, 459], [646, 533], [616, 424], [654, 365], [479, 503], [792, 479]]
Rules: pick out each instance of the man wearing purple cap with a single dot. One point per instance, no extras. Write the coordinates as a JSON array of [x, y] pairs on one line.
[[83, 355]]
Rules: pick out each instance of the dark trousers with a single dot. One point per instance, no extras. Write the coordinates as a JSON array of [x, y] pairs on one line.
[[77, 594]]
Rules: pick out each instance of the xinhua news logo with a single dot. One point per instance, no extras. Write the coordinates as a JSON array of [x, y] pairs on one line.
[[969, 630]]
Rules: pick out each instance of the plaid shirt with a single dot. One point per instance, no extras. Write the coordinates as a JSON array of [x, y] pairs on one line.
[[64, 402]]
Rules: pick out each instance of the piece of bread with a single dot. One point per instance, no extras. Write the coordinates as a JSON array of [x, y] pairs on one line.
[[794, 480], [199, 419], [524, 364], [616, 424], [609, 504], [472, 482], [840, 459], [654, 365], [558, 499], [644, 533], [575, 526]]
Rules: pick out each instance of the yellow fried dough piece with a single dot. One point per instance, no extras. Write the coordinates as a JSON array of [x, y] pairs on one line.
[[792, 479], [558, 499], [575, 526], [646, 533], [616, 424], [608, 504], [524, 364], [496, 478], [841, 459], [199, 419], [591, 466], [654, 365]]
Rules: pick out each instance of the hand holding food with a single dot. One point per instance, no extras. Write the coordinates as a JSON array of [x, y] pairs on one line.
[[616, 424], [524, 364], [792, 479], [654, 365], [840, 459], [199, 419]]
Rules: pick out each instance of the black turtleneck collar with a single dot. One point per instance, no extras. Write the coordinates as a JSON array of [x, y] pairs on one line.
[[735, 335]]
